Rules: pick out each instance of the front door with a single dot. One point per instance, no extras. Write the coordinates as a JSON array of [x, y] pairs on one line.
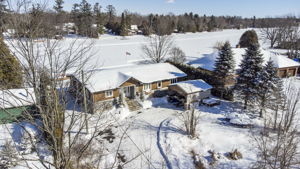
[[128, 91]]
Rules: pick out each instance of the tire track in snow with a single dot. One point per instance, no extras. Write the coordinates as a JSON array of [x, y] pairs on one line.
[[161, 150]]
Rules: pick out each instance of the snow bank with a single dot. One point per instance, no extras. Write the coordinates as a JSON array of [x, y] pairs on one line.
[[239, 119], [147, 104], [121, 113]]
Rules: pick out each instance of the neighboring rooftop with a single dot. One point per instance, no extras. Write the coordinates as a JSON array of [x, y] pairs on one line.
[[16, 98], [112, 78], [193, 86], [207, 62]]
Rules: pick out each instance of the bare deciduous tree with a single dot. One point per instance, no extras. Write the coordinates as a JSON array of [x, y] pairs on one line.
[[278, 148], [158, 47], [271, 35], [191, 120], [63, 123], [177, 55]]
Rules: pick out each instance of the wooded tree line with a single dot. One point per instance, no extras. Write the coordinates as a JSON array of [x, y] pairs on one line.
[[90, 20], [284, 35]]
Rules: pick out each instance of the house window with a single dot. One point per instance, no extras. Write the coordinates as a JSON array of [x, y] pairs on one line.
[[173, 81], [147, 86], [159, 84], [109, 93]]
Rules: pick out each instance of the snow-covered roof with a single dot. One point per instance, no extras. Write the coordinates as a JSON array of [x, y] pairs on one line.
[[193, 86], [112, 78], [16, 98], [133, 27], [280, 61]]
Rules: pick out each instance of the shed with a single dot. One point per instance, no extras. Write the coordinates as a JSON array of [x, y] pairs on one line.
[[13, 102], [191, 90]]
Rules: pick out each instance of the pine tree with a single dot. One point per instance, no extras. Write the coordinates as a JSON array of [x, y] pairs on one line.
[[124, 27], [3, 11], [58, 7], [224, 66], [10, 69], [84, 18], [212, 24], [111, 13], [267, 84], [99, 18], [248, 74], [128, 19]]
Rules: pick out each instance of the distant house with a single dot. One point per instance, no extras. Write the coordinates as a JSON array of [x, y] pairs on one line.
[[286, 67], [13, 102], [69, 28], [107, 83], [190, 91], [133, 30]]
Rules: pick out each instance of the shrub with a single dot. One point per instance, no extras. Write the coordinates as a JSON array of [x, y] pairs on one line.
[[234, 155]]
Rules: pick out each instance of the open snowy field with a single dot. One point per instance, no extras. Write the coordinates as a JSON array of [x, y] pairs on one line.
[[111, 50]]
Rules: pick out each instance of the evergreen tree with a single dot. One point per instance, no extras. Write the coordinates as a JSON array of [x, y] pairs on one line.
[[10, 69], [3, 11], [248, 74], [212, 24], [58, 7], [124, 27], [99, 18], [84, 18], [75, 15], [254, 22], [267, 85], [111, 13], [128, 19], [224, 66]]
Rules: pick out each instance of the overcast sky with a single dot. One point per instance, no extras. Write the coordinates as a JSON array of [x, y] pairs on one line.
[[245, 8]]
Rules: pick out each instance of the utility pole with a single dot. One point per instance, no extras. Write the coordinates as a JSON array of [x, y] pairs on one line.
[[84, 102]]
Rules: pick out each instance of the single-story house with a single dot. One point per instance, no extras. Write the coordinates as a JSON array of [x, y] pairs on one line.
[[190, 91], [286, 67], [13, 102], [107, 83]]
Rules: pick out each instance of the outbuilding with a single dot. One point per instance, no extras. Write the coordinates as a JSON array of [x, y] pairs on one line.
[[13, 102], [190, 91]]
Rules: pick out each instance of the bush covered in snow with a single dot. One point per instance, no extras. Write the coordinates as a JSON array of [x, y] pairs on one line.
[[239, 119]]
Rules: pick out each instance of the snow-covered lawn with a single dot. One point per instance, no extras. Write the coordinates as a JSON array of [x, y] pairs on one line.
[[154, 137], [158, 137]]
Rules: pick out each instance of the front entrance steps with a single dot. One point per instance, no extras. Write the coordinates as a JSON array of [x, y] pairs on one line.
[[133, 105]]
